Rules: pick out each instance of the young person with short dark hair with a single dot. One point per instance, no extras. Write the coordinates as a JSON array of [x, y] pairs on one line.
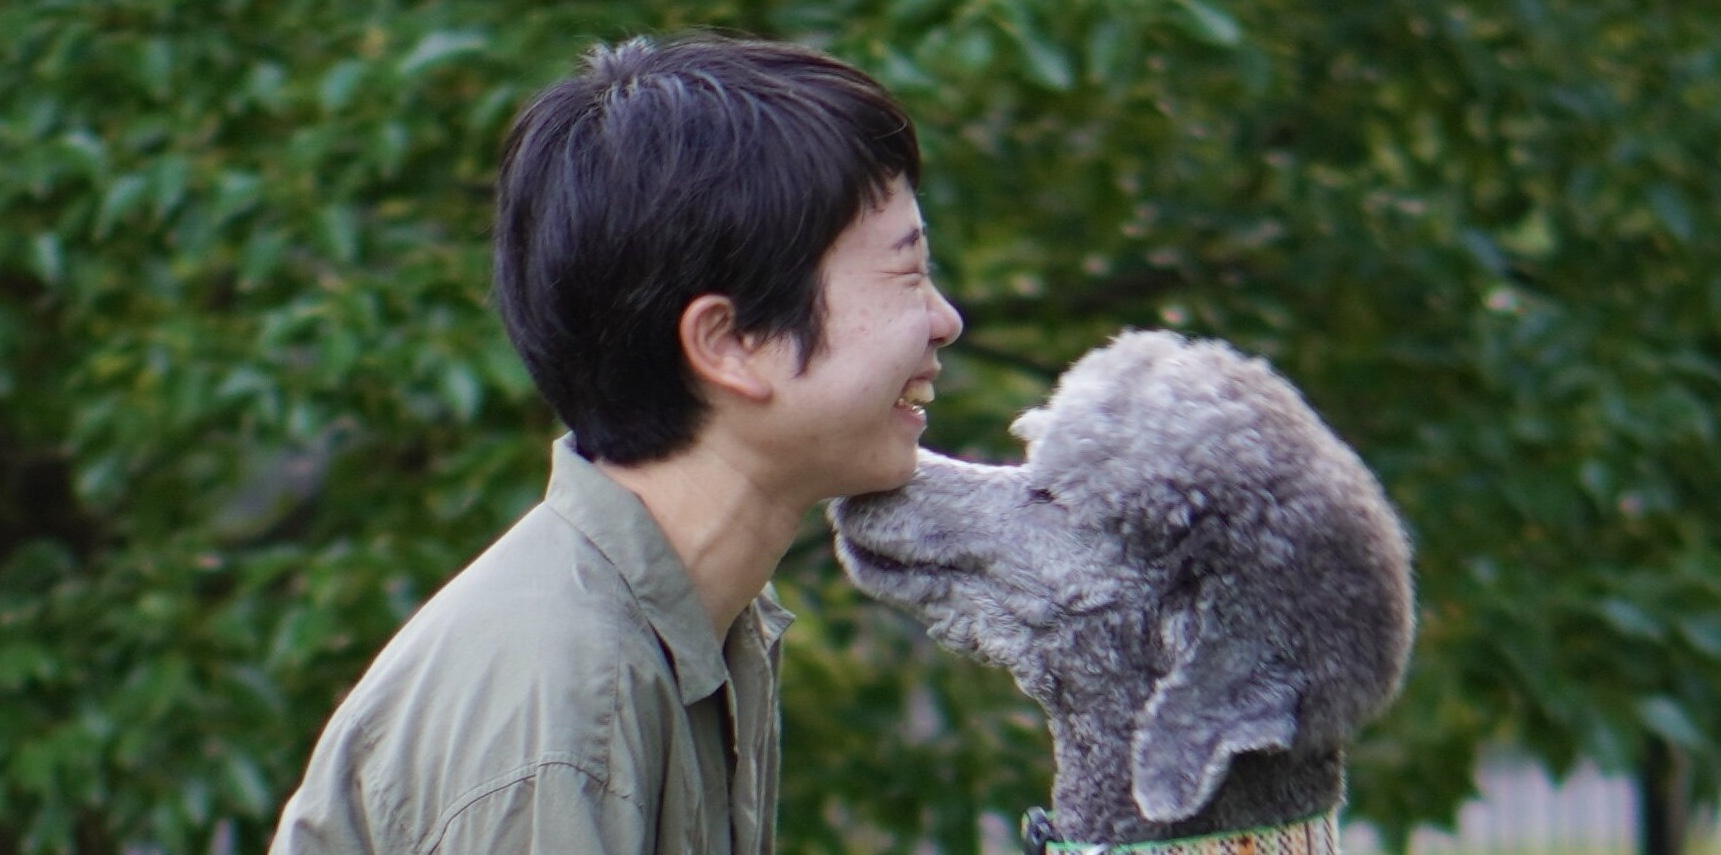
[[710, 258]]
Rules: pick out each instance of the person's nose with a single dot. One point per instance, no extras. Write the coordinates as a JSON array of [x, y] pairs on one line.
[[946, 321]]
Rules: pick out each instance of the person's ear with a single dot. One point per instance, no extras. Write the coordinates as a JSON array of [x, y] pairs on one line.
[[719, 353]]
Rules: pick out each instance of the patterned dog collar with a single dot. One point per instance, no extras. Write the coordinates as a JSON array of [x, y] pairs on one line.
[[1317, 835]]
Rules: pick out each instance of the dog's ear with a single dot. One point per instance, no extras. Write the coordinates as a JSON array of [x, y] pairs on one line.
[[1221, 700], [1030, 426]]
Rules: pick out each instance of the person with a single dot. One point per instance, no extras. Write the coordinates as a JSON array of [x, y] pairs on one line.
[[709, 255]]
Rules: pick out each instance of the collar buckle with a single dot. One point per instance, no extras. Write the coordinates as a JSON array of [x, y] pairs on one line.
[[1037, 831]]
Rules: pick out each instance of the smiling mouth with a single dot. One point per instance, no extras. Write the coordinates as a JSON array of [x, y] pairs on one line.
[[916, 396]]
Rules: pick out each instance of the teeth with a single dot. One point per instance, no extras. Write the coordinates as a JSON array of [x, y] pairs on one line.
[[917, 395]]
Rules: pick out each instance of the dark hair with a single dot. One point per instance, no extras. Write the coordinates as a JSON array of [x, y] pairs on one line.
[[664, 171]]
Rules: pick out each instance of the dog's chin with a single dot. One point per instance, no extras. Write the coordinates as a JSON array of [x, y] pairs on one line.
[[920, 589]]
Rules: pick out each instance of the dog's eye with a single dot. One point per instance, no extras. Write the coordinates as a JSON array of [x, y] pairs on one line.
[[1041, 496]]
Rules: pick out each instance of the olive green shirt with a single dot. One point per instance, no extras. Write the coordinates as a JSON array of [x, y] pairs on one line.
[[564, 693]]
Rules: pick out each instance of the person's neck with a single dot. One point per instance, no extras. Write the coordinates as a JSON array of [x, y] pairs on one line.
[[728, 530]]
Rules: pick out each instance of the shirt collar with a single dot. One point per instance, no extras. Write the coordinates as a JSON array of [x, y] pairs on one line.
[[624, 531]]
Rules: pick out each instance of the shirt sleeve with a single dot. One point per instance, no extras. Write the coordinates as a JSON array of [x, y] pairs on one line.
[[557, 809]]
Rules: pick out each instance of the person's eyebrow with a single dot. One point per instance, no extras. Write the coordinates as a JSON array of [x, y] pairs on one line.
[[910, 239]]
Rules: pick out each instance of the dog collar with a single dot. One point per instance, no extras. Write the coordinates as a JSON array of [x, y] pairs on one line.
[[1317, 835]]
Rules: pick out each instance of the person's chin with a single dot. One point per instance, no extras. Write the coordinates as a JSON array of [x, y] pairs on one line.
[[889, 475], [900, 475]]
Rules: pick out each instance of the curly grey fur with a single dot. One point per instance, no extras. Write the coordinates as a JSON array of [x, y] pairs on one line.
[[1205, 589]]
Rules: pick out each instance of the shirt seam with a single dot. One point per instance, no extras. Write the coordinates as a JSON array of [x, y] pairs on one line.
[[512, 778]]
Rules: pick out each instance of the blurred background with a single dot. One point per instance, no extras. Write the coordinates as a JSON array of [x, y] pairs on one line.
[[254, 406]]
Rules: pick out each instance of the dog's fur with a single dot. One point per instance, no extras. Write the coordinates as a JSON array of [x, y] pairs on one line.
[[1205, 589]]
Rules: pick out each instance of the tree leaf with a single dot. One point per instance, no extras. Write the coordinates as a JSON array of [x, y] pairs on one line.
[[120, 200], [1044, 61], [1666, 717], [155, 67], [1704, 633], [48, 257], [1210, 24], [247, 785], [339, 227], [238, 191], [1671, 208], [437, 48], [262, 256], [1630, 619], [168, 181], [462, 391], [339, 84]]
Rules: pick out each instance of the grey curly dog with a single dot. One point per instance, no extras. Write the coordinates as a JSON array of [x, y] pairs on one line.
[[1205, 589]]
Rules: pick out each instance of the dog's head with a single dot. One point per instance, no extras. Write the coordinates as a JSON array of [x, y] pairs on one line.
[[1185, 540]]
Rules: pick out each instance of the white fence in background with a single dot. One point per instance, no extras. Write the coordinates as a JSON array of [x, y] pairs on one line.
[[1522, 812]]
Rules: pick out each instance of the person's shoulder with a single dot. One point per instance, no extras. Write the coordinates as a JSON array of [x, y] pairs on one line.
[[540, 614], [527, 660], [542, 598]]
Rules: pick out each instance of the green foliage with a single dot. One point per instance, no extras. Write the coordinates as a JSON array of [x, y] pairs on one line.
[[253, 406]]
